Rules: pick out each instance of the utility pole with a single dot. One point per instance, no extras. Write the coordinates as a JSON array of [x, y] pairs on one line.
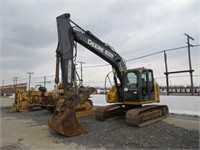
[[45, 81], [29, 86], [189, 58], [15, 83], [81, 71], [166, 72], [2, 92]]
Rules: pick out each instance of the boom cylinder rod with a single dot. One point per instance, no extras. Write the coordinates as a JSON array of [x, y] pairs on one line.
[[57, 70]]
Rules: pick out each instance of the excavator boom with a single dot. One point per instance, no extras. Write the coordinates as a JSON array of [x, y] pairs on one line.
[[64, 120]]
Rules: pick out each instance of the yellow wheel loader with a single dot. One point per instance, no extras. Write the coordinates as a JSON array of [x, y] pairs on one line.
[[133, 88], [27, 100]]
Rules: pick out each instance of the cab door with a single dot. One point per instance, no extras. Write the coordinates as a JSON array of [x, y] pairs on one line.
[[138, 85], [130, 86], [147, 85]]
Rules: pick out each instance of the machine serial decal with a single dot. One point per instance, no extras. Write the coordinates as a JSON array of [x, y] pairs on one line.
[[109, 54]]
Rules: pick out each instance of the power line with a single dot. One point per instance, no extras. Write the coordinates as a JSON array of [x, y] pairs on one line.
[[177, 76], [22, 79], [172, 49], [9, 82], [103, 65], [144, 56], [43, 77]]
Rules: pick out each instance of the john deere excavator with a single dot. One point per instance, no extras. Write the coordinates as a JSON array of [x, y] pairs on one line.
[[132, 88]]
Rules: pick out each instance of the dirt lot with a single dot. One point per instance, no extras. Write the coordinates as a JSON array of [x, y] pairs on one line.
[[30, 131]]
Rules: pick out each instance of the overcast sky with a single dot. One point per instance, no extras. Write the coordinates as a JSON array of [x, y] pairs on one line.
[[134, 28]]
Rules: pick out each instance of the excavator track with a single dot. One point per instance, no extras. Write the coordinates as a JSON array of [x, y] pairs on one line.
[[104, 112], [145, 115], [139, 116]]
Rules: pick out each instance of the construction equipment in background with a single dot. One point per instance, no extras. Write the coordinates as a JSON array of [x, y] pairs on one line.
[[26, 100], [40, 98], [132, 88], [83, 108]]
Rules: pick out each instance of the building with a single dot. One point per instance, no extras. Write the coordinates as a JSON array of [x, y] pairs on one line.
[[179, 89], [10, 89]]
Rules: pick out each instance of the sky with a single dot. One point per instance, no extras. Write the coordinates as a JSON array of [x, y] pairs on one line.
[[133, 27]]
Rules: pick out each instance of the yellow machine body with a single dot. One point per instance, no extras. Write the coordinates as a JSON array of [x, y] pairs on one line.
[[27, 100], [83, 108], [135, 83], [112, 96]]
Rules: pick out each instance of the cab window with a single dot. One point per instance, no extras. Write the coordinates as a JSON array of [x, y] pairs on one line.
[[132, 78], [130, 81]]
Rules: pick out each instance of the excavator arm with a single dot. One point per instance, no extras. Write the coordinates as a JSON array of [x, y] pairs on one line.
[[67, 35], [64, 120]]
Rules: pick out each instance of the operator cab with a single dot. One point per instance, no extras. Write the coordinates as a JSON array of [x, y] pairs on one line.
[[138, 85]]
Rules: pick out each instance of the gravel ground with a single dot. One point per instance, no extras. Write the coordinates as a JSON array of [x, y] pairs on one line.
[[115, 134]]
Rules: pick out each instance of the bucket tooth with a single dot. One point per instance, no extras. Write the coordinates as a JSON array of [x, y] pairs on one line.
[[66, 123]]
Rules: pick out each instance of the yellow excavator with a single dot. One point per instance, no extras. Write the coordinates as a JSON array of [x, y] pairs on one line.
[[131, 90], [26, 100]]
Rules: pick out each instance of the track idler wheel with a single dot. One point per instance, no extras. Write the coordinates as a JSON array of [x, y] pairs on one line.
[[66, 123]]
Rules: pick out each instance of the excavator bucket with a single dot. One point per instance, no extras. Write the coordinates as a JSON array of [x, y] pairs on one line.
[[66, 123]]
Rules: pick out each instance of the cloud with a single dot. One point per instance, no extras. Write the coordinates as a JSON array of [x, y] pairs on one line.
[[133, 28]]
